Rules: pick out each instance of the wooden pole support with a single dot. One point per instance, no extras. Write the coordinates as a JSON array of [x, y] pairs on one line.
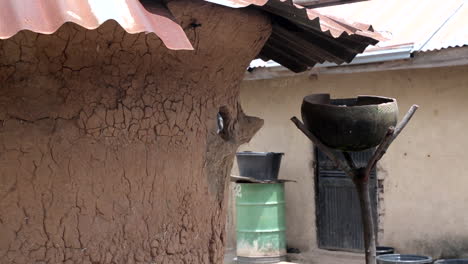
[[360, 176]]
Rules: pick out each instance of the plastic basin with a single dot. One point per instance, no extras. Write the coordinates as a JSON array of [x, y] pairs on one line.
[[400, 258], [451, 261]]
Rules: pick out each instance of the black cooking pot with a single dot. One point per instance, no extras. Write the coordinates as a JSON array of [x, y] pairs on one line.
[[351, 124]]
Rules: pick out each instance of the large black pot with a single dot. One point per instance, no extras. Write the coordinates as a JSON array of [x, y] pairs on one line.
[[352, 124]]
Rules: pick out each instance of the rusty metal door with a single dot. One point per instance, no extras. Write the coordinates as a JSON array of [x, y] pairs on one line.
[[339, 224]]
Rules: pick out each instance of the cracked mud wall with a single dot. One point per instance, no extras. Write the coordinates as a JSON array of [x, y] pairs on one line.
[[108, 144]]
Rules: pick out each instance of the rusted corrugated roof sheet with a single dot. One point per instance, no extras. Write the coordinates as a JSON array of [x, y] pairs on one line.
[[429, 24], [46, 16], [304, 37], [300, 39]]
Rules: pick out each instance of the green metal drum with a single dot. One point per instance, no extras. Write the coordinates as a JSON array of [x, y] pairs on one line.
[[261, 227]]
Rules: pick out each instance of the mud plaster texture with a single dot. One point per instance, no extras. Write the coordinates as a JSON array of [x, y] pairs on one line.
[[108, 144]]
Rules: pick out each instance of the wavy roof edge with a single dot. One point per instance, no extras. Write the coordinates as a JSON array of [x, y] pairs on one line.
[[300, 14], [46, 17], [301, 37], [430, 24]]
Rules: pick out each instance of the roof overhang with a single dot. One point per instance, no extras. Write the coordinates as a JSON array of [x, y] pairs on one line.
[[47, 16], [303, 37], [399, 59], [300, 37]]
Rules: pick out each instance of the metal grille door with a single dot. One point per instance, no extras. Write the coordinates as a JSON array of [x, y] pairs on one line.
[[339, 224]]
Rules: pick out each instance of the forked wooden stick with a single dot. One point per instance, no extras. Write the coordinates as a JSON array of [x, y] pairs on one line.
[[392, 134], [360, 176], [343, 166]]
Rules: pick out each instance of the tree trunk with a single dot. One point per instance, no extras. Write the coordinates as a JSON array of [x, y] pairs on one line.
[[362, 187], [108, 143]]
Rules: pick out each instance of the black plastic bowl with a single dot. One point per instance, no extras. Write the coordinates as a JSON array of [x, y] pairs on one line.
[[384, 250], [352, 124], [259, 165]]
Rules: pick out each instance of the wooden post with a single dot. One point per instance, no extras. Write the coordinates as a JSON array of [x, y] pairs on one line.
[[360, 176], [361, 182]]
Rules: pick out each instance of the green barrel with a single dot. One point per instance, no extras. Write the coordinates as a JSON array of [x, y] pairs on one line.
[[261, 227]]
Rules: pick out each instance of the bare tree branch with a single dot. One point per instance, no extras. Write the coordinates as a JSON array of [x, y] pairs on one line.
[[339, 163], [379, 152], [349, 160], [404, 121], [362, 188], [389, 138]]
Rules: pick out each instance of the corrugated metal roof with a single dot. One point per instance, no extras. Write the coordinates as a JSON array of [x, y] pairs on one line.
[[429, 24], [46, 16], [300, 15], [453, 34], [300, 38], [304, 37]]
